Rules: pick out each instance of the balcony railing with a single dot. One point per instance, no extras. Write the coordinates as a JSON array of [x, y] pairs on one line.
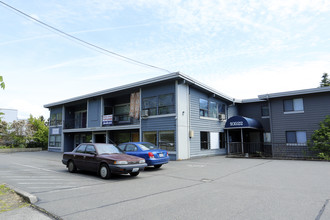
[[55, 122], [72, 123]]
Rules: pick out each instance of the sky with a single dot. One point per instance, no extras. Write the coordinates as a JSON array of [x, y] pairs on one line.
[[241, 48]]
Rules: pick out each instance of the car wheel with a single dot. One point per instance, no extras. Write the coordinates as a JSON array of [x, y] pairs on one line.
[[158, 166], [104, 171], [72, 167], [134, 174]]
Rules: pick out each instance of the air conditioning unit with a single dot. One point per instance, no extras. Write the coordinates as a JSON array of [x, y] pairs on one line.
[[222, 117], [145, 113]]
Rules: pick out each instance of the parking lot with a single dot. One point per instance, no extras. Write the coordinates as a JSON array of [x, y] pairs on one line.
[[204, 188]]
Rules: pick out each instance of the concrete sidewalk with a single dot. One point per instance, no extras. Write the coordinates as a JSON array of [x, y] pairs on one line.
[[20, 206]]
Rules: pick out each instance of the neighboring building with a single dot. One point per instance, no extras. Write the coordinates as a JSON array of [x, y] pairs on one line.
[[9, 115], [189, 119]]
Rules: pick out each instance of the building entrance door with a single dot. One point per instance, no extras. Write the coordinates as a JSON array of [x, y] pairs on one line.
[[99, 138]]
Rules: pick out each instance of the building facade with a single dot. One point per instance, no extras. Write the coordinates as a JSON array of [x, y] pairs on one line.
[[189, 119]]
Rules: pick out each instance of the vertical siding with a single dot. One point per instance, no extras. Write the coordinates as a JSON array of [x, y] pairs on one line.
[[94, 112], [198, 124]]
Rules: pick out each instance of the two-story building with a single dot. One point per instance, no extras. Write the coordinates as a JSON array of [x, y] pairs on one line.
[[189, 119]]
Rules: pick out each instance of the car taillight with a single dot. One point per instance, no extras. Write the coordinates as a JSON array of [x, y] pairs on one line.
[[151, 155], [166, 154]]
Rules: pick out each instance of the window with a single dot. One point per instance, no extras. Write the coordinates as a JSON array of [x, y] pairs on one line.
[[159, 105], [205, 141], [166, 104], [264, 110], [131, 148], [166, 140], [56, 119], [90, 149], [296, 137], [150, 136], [267, 137], [122, 113], [55, 140], [122, 147], [81, 149], [203, 107], [150, 104], [213, 112], [293, 105]]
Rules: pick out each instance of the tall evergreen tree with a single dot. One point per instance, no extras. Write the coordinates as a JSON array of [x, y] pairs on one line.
[[325, 80]]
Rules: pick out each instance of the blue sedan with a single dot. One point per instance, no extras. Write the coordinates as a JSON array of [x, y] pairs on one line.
[[153, 156]]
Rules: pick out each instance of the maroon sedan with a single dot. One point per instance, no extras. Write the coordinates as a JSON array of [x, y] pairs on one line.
[[105, 159]]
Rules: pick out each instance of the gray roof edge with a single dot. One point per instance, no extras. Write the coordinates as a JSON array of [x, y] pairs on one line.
[[252, 100], [295, 92], [202, 85], [161, 78], [116, 89]]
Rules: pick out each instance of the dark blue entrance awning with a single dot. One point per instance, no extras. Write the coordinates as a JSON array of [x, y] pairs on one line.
[[242, 122]]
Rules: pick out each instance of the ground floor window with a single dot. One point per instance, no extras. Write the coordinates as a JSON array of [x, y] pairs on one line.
[[163, 139], [166, 140], [55, 140], [150, 136], [205, 140], [267, 137], [296, 137]]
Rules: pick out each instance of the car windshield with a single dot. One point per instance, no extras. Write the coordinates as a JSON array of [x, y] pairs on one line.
[[107, 149], [147, 146]]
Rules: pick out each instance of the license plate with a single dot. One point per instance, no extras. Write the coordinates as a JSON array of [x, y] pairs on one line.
[[135, 170], [161, 155]]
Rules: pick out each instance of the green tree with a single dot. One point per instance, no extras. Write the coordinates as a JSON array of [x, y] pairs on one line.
[[2, 83], [3, 133], [39, 132], [320, 141], [325, 80], [18, 134]]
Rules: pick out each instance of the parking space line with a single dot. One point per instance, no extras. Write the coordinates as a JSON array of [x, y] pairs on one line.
[[38, 168]]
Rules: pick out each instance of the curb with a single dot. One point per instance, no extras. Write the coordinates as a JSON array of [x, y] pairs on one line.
[[27, 196], [32, 199]]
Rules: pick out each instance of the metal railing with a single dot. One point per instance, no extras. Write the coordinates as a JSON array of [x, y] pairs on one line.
[[72, 123], [260, 148]]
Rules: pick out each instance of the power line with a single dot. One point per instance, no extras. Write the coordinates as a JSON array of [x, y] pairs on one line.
[[82, 42]]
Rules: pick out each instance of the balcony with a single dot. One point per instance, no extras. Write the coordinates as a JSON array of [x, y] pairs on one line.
[[73, 123]]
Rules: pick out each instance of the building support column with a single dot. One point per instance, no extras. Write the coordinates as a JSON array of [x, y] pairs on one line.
[[242, 141]]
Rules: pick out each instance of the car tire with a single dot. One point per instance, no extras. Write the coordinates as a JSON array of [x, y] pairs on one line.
[[72, 167], [104, 171], [134, 174], [158, 166]]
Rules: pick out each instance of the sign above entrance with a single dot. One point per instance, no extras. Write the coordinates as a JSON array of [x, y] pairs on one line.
[[242, 122]]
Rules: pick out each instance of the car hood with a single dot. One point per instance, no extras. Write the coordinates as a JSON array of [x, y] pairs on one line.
[[123, 157]]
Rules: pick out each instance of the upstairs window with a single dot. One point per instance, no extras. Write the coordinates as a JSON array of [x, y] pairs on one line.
[[150, 104], [264, 110], [203, 107], [293, 105], [122, 113], [56, 119], [213, 111], [166, 104]]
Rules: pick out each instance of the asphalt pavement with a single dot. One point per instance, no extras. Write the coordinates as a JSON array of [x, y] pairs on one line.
[[204, 188]]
